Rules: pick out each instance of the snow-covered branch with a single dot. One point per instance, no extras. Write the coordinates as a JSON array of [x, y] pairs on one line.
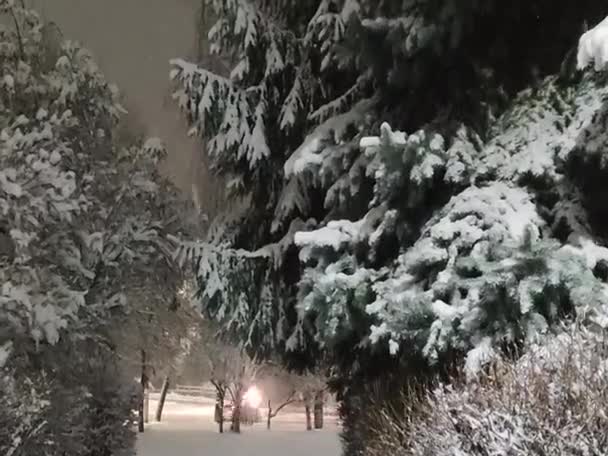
[[593, 47]]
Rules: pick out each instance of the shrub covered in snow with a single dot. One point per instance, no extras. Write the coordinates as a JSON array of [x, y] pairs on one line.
[[553, 400], [76, 402]]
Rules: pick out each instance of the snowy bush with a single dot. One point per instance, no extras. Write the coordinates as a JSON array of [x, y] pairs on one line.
[[550, 401], [84, 410]]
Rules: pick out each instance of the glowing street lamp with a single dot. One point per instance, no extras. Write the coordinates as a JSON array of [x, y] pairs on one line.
[[253, 397]]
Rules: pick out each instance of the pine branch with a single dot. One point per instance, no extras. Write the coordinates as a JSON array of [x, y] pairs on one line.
[[18, 31], [341, 103]]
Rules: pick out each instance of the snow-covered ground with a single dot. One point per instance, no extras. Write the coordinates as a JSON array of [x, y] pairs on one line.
[[188, 429]]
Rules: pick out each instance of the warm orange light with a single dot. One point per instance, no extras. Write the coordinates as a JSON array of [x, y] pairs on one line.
[[253, 397]]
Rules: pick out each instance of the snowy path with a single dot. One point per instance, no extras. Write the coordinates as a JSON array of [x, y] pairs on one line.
[[188, 430]]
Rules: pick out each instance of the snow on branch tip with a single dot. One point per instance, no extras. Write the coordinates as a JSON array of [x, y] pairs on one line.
[[593, 47]]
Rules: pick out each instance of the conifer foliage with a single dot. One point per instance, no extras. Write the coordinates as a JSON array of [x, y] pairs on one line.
[[473, 219]]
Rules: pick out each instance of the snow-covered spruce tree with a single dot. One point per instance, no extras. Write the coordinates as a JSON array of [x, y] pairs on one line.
[[491, 265], [500, 263], [310, 79], [469, 228], [82, 220]]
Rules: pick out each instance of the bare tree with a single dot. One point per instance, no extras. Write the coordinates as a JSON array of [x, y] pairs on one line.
[[272, 413], [163, 397], [150, 342], [283, 390], [243, 371], [313, 389], [220, 388], [231, 371], [307, 389]]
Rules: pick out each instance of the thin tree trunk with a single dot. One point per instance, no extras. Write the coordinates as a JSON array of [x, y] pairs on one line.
[[269, 416], [143, 391], [163, 396], [140, 410], [220, 412], [236, 413], [308, 417], [200, 26], [146, 405], [318, 410]]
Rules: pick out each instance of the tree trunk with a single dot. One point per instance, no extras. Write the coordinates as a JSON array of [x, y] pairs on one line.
[[219, 408], [140, 410], [146, 405], [319, 399], [308, 417], [161, 400], [221, 412], [269, 416], [236, 413], [143, 382], [221, 421]]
